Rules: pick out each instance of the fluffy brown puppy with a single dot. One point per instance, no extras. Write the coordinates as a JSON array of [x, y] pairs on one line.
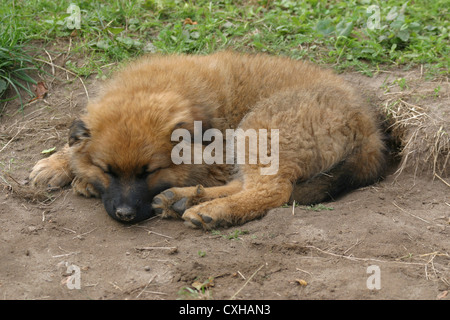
[[321, 139]]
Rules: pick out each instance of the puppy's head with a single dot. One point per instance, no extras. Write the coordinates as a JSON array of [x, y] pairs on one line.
[[122, 146]]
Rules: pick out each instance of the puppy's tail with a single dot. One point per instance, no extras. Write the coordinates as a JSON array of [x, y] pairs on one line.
[[366, 165]]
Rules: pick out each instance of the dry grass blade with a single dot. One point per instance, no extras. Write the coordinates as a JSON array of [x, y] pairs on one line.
[[25, 191], [246, 282], [68, 71]]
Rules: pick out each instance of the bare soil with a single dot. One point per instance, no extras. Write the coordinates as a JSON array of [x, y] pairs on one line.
[[401, 225]]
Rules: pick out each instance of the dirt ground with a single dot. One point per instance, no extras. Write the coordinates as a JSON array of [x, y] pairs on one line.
[[67, 247]]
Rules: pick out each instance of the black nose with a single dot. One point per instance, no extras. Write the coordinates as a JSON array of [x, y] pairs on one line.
[[125, 213]]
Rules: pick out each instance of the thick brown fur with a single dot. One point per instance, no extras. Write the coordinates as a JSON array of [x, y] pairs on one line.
[[329, 140]]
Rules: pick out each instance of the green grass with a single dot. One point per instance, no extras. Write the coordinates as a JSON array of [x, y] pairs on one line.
[[233, 235], [319, 207], [336, 33], [15, 63]]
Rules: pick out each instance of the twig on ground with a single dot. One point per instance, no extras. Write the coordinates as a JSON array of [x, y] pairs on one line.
[[51, 62], [170, 249], [4, 147], [83, 234], [309, 273], [362, 259], [68, 71], [246, 282], [446, 183], [412, 215], [151, 279]]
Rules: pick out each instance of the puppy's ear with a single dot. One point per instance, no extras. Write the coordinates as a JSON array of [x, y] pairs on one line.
[[78, 132]]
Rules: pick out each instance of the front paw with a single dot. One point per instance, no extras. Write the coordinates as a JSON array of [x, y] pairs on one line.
[[207, 216], [173, 202], [84, 188], [169, 205], [52, 172]]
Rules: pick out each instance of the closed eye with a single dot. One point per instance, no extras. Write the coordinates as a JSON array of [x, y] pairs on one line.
[[145, 172], [107, 169], [110, 171]]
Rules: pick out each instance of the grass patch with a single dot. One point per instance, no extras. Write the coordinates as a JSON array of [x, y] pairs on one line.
[[361, 35], [233, 235], [15, 63], [319, 207]]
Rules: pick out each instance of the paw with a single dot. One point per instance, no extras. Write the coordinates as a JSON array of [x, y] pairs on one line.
[[82, 187], [207, 216], [51, 172], [173, 202]]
